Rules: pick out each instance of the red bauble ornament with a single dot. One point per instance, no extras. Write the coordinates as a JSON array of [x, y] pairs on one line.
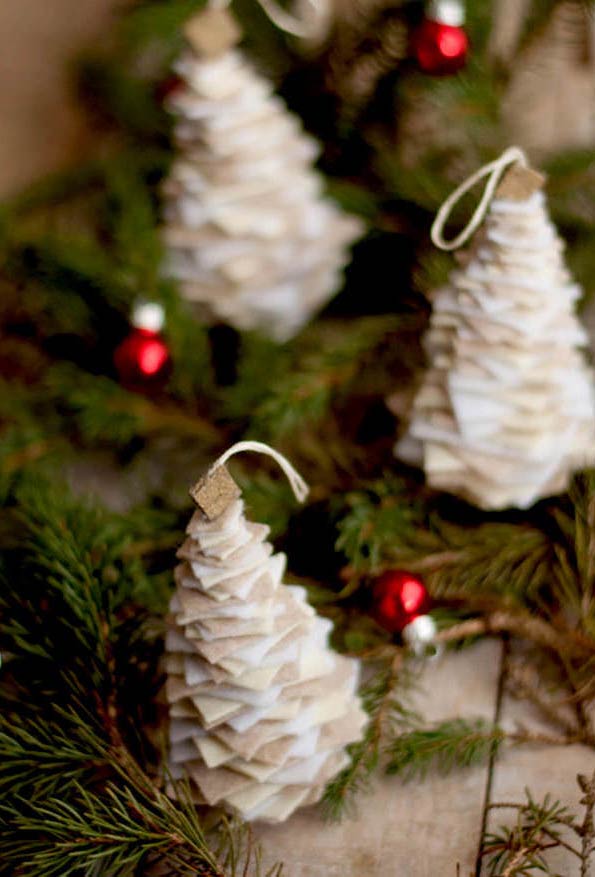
[[440, 44], [399, 598], [142, 359]]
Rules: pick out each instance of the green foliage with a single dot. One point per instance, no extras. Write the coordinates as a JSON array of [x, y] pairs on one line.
[[157, 21], [83, 592], [387, 714], [444, 747], [121, 98], [575, 554], [268, 500], [397, 741], [510, 561], [323, 368], [258, 359], [378, 518], [80, 795], [521, 851]]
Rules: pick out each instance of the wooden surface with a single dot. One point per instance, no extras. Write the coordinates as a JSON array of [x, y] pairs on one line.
[[406, 830], [425, 829], [42, 126]]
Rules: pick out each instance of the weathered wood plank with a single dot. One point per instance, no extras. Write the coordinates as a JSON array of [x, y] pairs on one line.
[[419, 829], [541, 768]]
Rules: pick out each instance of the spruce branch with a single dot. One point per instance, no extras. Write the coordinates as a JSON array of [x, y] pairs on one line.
[[558, 638], [449, 745], [76, 798], [520, 850], [386, 713], [586, 830], [330, 360], [376, 518], [540, 827]]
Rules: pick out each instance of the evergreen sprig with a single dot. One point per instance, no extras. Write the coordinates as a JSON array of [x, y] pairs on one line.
[[373, 521], [387, 713], [446, 746], [324, 368], [540, 827], [80, 791]]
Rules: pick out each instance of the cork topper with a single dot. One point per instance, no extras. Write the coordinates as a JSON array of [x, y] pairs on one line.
[[217, 490], [212, 32], [214, 492], [519, 183]]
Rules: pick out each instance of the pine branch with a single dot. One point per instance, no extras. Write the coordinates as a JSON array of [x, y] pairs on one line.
[[387, 713], [330, 359], [575, 553], [586, 830], [379, 517], [115, 832], [79, 672], [559, 639], [447, 746], [157, 21], [521, 850]]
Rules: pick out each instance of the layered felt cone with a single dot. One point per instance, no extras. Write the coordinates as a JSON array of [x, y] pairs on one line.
[[261, 709], [249, 234], [505, 412]]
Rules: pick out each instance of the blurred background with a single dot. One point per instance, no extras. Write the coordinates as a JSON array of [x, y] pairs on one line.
[[43, 126], [138, 340]]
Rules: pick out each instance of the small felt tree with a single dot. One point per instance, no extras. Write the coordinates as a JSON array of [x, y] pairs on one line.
[[249, 235], [261, 708], [505, 412]]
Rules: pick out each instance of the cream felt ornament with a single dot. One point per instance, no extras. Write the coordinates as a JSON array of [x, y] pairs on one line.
[[505, 413], [249, 234], [261, 708]]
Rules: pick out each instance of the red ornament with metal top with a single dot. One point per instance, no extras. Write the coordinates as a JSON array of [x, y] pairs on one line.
[[440, 43], [399, 598], [143, 359]]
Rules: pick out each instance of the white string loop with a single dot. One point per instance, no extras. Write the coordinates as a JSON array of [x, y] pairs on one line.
[[297, 483], [308, 27], [494, 171]]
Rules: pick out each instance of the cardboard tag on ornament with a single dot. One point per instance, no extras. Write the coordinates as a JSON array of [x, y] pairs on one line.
[[212, 32], [519, 183], [214, 493]]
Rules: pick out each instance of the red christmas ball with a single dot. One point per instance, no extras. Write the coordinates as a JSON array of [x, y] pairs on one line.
[[399, 598], [440, 48], [142, 360]]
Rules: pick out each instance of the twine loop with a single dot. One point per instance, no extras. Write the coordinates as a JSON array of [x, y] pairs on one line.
[[296, 482], [307, 27], [494, 172]]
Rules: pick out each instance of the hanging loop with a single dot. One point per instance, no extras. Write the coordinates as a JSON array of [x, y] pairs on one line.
[[305, 28], [297, 483], [494, 171], [308, 27]]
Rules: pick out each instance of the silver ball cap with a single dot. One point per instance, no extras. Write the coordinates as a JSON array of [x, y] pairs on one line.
[[450, 12], [148, 315]]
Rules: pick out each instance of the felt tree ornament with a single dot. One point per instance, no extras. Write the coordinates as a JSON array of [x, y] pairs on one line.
[[261, 708], [248, 233], [505, 412]]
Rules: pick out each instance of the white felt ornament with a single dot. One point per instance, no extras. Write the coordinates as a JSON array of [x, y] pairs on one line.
[[505, 413], [249, 234], [261, 709]]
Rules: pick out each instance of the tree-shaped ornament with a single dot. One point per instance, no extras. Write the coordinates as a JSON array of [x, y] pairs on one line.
[[249, 234], [261, 708], [505, 413]]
